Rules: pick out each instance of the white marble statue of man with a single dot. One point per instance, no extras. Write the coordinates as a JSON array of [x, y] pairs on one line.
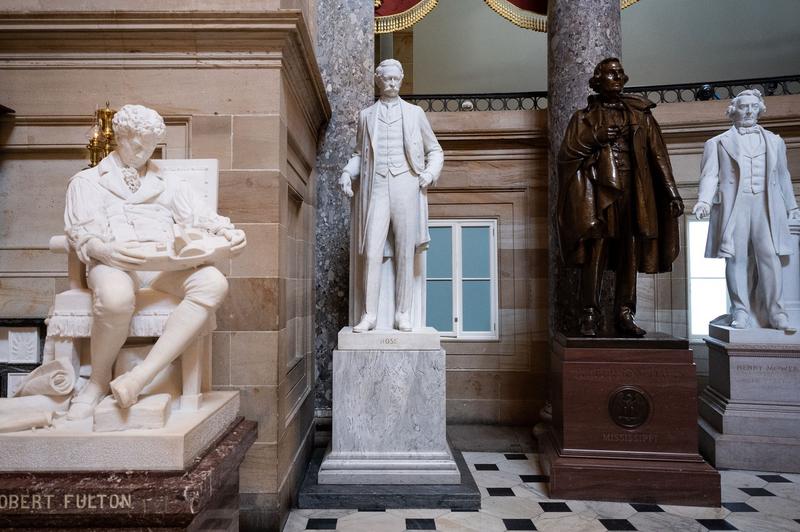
[[122, 201], [746, 188], [397, 157]]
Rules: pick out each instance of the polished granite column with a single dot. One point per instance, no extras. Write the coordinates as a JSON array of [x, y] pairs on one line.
[[580, 34], [345, 53]]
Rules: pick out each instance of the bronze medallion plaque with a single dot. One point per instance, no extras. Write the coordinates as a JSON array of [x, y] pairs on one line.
[[629, 407]]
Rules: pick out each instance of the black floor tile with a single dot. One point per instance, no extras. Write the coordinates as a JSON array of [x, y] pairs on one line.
[[757, 492], [515, 456], [519, 524], [368, 509], [642, 507], [554, 507], [738, 507], [316, 523], [773, 478], [617, 524], [534, 478], [716, 524], [420, 524], [486, 467], [462, 510], [500, 492]]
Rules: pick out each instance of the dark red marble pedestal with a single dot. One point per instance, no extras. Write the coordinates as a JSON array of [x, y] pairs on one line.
[[203, 497], [624, 423]]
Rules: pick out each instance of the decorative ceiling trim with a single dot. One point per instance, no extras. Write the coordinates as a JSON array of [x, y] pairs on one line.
[[405, 19], [528, 19]]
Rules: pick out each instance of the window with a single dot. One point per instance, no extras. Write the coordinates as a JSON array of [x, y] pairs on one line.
[[461, 299], [708, 293]]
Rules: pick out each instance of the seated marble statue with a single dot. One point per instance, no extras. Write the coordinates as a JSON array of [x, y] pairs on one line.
[[121, 218]]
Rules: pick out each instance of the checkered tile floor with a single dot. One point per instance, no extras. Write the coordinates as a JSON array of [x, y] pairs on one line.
[[514, 497]]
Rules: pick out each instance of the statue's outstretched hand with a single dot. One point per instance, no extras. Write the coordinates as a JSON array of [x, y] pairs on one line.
[[346, 184], [116, 255], [701, 210], [236, 237]]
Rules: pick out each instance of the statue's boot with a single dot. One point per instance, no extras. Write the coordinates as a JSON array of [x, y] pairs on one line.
[[781, 322], [590, 321], [403, 321], [626, 323], [182, 328], [741, 319], [367, 323]]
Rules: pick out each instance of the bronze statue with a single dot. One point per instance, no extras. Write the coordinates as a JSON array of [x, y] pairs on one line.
[[618, 206]]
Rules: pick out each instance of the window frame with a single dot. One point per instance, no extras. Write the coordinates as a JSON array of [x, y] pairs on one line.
[[697, 338], [458, 334]]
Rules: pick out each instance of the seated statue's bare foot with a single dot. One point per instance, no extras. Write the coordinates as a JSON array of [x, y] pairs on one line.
[[367, 323], [403, 321], [82, 405], [127, 387]]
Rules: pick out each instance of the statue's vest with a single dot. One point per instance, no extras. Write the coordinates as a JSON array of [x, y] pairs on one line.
[[390, 156]]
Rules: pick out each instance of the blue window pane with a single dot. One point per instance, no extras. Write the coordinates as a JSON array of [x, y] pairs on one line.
[[440, 253], [439, 307], [477, 306], [475, 252]]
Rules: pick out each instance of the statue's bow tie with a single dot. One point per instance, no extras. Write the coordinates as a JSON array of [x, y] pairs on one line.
[[747, 130]]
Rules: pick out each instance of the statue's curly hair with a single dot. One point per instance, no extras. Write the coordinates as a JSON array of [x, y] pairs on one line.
[[138, 119], [762, 107], [594, 81]]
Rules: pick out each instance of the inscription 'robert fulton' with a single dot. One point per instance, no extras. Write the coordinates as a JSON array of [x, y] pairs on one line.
[[67, 501]]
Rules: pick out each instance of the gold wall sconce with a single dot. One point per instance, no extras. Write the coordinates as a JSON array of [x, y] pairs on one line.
[[101, 136]]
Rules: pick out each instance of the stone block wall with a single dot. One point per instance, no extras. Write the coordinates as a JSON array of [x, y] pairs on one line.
[[236, 81]]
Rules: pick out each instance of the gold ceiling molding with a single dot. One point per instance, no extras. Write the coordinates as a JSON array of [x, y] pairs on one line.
[[528, 19], [406, 19]]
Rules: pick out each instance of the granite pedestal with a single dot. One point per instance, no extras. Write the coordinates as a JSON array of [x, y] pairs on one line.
[[624, 423], [204, 494], [389, 411], [750, 410]]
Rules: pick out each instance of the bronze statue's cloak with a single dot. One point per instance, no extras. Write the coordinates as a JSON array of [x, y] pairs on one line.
[[589, 184]]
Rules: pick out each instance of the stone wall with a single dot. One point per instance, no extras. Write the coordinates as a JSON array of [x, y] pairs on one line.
[[236, 81]]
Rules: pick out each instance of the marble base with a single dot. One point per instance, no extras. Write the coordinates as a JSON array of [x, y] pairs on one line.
[[150, 412], [203, 497], [732, 335], [389, 340], [389, 419], [73, 446], [372, 497], [750, 411]]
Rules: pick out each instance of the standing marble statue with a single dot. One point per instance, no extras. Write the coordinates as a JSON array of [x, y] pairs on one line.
[[618, 205], [746, 189], [397, 157], [113, 211]]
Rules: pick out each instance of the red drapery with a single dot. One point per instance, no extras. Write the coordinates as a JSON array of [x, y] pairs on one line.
[[530, 14], [395, 15]]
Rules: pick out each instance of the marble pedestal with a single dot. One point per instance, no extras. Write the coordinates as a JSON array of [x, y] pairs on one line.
[[389, 411], [204, 496], [73, 446], [750, 411]]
